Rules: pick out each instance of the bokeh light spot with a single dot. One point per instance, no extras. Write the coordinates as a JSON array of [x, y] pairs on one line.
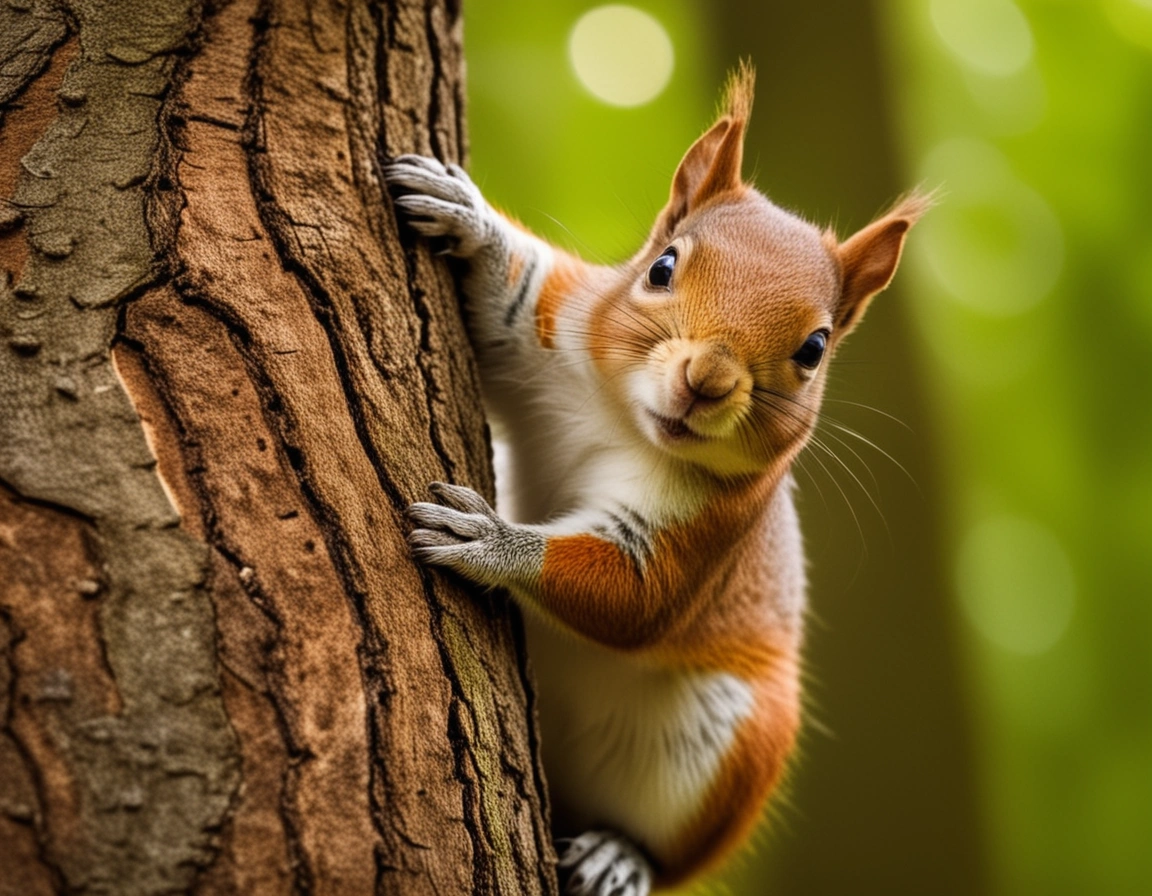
[[1132, 20], [621, 54], [1012, 105], [994, 244], [1015, 584], [991, 36]]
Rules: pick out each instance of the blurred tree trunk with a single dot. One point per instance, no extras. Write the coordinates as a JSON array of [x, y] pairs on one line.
[[888, 782], [221, 380]]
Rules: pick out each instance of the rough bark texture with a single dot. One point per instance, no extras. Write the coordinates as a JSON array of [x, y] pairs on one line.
[[222, 378]]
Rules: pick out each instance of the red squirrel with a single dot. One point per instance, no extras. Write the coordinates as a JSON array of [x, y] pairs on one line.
[[651, 412]]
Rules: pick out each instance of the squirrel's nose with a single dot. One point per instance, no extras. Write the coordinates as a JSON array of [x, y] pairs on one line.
[[711, 375]]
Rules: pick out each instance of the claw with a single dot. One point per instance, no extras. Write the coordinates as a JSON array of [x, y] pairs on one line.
[[432, 538], [578, 847], [602, 863], [460, 497]]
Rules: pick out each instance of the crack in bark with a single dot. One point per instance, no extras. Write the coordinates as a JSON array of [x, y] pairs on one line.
[[374, 649], [438, 149], [282, 424], [278, 225], [465, 766], [302, 879], [544, 847], [377, 680], [55, 872], [46, 504]]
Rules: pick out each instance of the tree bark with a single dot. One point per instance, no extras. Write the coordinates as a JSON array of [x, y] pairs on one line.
[[222, 379]]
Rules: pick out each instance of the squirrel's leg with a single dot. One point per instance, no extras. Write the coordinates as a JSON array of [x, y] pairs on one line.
[[596, 572], [508, 267], [602, 863]]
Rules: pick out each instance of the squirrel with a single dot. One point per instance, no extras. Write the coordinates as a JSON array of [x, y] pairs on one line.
[[651, 412]]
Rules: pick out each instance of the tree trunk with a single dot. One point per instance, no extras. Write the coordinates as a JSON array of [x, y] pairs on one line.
[[222, 379], [888, 675]]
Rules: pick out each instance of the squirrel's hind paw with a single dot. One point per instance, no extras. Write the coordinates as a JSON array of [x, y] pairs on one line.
[[603, 863]]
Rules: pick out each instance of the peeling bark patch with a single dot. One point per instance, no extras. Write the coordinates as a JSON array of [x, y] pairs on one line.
[[25, 119], [166, 445], [101, 764], [139, 781], [29, 33]]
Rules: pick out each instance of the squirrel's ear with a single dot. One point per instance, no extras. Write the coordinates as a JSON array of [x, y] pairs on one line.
[[869, 257], [712, 164]]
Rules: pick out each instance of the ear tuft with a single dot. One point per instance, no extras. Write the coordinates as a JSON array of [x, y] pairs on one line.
[[712, 165], [868, 258], [738, 92], [913, 205]]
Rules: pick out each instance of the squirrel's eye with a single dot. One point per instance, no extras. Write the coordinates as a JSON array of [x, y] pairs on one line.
[[809, 354], [660, 274]]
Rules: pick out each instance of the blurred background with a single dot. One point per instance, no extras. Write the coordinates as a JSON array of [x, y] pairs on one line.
[[979, 520]]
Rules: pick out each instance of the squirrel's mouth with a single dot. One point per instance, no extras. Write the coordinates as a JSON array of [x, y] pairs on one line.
[[675, 430]]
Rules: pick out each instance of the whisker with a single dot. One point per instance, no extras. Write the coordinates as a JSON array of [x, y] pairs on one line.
[[602, 385], [783, 404], [652, 328], [855, 454], [815, 482], [868, 407], [589, 251], [819, 444], [844, 495], [870, 443]]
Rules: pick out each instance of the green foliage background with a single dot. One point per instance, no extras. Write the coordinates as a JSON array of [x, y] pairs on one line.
[[980, 662]]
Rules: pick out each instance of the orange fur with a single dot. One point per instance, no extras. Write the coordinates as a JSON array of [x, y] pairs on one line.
[[593, 587], [515, 268], [753, 768], [567, 271], [685, 614]]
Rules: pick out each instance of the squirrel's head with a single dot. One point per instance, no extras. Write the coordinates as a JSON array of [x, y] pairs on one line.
[[719, 335]]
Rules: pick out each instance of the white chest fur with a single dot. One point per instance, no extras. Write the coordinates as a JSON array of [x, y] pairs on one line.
[[628, 746]]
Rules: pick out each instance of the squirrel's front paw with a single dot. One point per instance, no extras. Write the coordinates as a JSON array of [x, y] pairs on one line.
[[439, 200], [463, 533]]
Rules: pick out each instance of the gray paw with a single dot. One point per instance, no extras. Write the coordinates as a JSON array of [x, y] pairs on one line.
[[461, 517], [463, 533], [602, 863], [439, 200]]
